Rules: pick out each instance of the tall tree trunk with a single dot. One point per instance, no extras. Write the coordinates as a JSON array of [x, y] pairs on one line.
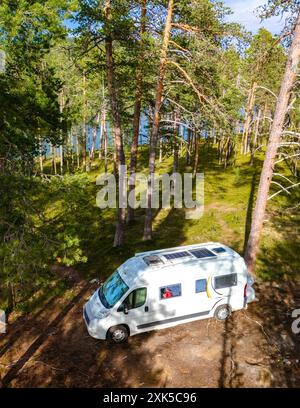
[[137, 110], [196, 158], [101, 139], [248, 118], [61, 149], [160, 150], [226, 151], [94, 136], [187, 152], [84, 138], [237, 122], [154, 133], [287, 84], [61, 158], [72, 148], [105, 143], [53, 149], [116, 118], [214, 136], [175, 143], [89, 148], [265, 128], [41, 156], [192, 143], [220, 145], [77, 150], [68, 149], [101, 144], [89, 161], [181, 144], [256, 133], [175, 155]]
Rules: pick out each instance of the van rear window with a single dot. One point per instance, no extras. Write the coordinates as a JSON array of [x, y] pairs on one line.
[[225, 281]]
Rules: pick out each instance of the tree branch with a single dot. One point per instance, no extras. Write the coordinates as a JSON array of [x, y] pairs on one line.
[[200, 95], [284, 189], [186, 27]]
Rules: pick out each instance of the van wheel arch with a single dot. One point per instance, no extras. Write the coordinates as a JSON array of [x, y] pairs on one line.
[[127, 327]]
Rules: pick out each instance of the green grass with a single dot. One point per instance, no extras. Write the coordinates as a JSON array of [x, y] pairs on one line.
[[229, 199]]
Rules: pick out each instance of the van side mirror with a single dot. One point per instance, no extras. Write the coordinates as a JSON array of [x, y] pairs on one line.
[[123, 308]]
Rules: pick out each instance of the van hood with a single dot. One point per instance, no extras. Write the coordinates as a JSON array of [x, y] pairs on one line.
[[96, 307]]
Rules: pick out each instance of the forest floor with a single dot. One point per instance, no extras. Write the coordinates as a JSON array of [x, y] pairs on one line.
[[47, 345], [254, 348]]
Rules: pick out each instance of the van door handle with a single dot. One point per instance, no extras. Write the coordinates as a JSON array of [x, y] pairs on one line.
[[146, 309]]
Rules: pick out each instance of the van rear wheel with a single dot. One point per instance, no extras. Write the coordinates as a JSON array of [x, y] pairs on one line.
[[222, 312], [118, 334]]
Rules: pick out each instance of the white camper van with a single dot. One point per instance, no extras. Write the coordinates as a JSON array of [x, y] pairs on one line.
[[163, 288]]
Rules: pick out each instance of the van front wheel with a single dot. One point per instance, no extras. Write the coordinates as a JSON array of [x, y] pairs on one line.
[[118, 334], [222, 312]]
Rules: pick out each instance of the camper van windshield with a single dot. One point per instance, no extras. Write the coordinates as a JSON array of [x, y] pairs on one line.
[[112, 290]]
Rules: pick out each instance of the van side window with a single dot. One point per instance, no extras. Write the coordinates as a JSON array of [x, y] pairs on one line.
[[136, 298], [200, 285], [170, 291], [225, 281]]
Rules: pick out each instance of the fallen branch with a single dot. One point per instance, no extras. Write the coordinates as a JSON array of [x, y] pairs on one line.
[[264, 332], [48, 365]]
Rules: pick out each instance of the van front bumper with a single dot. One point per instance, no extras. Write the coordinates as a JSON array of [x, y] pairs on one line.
[[93, 325]]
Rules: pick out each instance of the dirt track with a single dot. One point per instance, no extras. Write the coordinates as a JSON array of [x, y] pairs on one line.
[[254, 348]]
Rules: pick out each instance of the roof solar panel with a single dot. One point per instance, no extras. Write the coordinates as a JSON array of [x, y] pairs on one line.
[[177, 255], [202, 253], [219, 250]]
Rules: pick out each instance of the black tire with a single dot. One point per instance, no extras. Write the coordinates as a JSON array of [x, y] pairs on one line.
[[118, 334], [222, 312]]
